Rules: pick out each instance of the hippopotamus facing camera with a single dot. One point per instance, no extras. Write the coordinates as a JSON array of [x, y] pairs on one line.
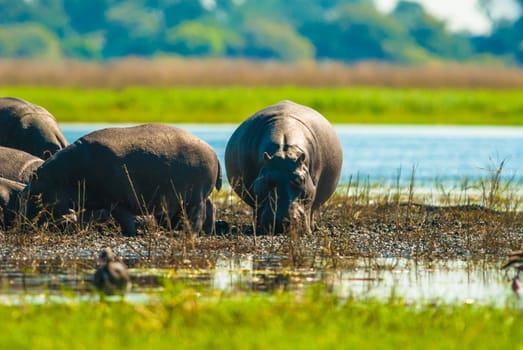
[[284, 162], [150, 169], [30, 128]]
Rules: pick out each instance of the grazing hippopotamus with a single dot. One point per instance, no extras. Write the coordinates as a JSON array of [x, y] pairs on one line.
[[18, 165], [10, 192], [284, 162], [149, 169], [29, 128]]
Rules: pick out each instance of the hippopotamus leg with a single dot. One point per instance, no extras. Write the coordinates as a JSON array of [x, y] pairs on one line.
[[195, 216], [126, 219], [210, 214], [166, 222]]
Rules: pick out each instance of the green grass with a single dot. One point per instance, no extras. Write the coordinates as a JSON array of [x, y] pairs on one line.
[[234, 104], [185, 319]]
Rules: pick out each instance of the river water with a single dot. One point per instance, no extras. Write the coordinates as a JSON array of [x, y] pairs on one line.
[[385, 154]]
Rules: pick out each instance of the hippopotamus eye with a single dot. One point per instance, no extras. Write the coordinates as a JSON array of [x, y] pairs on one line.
[[298, 181]]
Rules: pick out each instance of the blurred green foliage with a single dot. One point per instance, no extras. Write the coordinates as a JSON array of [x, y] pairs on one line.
[[186, 318], [293, 30], [32, 40], [234, 104]]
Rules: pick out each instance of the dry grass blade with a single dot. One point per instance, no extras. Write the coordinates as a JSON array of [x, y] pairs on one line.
[[221, 72]]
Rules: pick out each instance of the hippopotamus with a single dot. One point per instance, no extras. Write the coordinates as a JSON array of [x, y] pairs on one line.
[[10, 192], [145, 170], [29, 127], [18, 165], [284, 161]]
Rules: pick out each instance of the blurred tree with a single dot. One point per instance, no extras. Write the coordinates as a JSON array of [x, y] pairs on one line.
[[430, 33], [132, 29], [177, 11], [266, 39], [14, 11], [507, 35], [87, 16], [50, 14], [85, 47], [195, 38], [32, 40], [348, 30], [356, 31]]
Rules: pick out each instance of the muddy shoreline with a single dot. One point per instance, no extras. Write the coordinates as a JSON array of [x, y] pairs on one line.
[[345, 232]]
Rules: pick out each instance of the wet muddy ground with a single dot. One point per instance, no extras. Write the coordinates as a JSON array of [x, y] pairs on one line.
[[345, 231], [367, 250]]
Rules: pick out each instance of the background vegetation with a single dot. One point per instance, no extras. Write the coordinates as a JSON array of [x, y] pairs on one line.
[[234, 104], [293, 30]]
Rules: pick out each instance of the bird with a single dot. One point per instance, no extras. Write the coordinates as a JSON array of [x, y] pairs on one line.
[[111, 277], [515, 260]]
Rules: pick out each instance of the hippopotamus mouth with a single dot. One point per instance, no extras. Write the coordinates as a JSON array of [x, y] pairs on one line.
[[283, 192], [274, 220]]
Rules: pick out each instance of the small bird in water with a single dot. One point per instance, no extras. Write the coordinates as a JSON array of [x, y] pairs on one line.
[[111, 276], [515, 260]]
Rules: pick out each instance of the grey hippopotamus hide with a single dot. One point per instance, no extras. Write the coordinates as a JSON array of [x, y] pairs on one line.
[[284, 162], [18, 165], [30, 128], [150, 169], [10, 192]]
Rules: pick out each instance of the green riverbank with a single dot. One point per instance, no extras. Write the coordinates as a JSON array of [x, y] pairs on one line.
[[234, 104]]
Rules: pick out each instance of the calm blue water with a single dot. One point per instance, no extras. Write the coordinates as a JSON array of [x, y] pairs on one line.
[[447, 154]]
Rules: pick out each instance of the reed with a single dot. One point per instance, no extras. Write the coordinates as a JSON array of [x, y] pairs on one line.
[[169, 72]]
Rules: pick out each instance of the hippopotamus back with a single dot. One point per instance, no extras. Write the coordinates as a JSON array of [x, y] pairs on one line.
[[18, 165], [29, 127], [289, 148], [147, 169]]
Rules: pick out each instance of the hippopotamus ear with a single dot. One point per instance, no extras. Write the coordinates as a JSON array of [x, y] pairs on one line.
[[47, 154], [266, 156], [301, 159]]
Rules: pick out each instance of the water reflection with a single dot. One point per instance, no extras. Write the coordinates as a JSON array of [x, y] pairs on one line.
[[455, 282], [448, 282]]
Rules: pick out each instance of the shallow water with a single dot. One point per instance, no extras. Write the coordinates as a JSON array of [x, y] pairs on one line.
[[384, 153], [446, 282]]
